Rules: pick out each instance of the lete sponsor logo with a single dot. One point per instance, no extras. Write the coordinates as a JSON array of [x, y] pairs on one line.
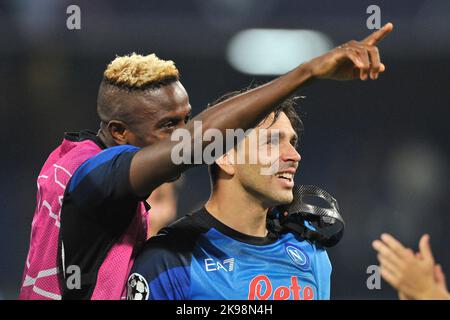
[[261, 288]]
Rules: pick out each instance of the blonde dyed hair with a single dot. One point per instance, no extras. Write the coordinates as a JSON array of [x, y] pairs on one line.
[[138, 71]]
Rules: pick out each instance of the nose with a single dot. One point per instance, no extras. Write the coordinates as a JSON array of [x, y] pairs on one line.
[[291, 154]]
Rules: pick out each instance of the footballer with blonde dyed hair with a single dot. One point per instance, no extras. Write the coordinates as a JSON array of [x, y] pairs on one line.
[[91, 214]]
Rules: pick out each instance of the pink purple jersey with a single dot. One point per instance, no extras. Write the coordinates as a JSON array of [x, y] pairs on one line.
[[87, 223]]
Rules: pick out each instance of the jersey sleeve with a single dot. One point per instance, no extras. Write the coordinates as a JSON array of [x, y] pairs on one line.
[[323, 271], [161, 272], [103, 182]]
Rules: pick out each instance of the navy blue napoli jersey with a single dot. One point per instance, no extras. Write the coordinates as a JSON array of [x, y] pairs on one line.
[[198, 257], [98, 207]]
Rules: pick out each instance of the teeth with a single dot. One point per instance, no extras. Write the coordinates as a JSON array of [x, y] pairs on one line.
[[286, 175]]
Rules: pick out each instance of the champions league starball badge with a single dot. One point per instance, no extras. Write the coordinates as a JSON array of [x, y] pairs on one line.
[[137, 287], [319, 223]]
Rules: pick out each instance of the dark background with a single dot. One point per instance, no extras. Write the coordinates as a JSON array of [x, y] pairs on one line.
[[380, 147]]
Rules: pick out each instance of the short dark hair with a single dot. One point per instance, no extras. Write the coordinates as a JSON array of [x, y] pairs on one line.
[[288, 107]]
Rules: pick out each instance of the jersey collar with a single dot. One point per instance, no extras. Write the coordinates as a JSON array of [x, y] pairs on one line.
[[212, 222]]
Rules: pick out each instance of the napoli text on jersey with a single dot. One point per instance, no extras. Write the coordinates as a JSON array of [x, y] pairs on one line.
[[198, 257]]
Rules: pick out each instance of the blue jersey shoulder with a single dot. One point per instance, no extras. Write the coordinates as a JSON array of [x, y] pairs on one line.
[[163, 265], [107, 160]]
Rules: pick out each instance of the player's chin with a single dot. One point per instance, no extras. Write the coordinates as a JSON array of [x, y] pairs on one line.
[[282, 197]]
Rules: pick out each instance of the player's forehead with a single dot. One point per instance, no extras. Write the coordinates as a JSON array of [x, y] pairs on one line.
[[281, 124], [167, 96], [171, 98]]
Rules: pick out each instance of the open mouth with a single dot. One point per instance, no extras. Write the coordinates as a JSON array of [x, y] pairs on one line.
[[286, 176], [286, 179]]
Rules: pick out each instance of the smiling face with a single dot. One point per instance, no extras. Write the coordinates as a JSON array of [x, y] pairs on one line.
[[273, 188]]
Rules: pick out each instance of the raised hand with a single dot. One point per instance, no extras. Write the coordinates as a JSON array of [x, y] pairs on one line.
[[354, 59]]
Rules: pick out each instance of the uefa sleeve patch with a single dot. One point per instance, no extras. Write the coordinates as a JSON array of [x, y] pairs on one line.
[[137, 287]]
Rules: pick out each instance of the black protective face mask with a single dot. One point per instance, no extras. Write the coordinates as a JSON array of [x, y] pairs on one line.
[[324, 227]]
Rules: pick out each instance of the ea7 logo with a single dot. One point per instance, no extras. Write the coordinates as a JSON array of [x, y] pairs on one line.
[[227, 265]]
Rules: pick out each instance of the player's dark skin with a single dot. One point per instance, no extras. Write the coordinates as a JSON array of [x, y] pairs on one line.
[[167, 108], [156, 113]]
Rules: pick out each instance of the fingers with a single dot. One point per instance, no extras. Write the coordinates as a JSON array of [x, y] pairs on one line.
[[388, 264], [387, 253], [390, 245], [366, 59], [394, 245], [389, 277], [378, 35], [371, 58], [351, 54], [392, 255], [364, 56], [425, 249], [403, 296], [375, 62], [355, 58], [440, 276]]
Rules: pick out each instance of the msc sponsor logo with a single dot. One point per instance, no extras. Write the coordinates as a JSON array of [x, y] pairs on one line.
[[261, 288], [300, 258], [226, 265]]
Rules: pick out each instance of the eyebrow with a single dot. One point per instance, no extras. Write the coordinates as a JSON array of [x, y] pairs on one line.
[[175, 115], [294, 136]]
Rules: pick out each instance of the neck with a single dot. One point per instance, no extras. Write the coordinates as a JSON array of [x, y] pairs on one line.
[[238, 210]]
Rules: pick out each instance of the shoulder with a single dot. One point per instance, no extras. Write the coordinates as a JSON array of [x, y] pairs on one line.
[[103, 157], [163, 264], [178, 240], [98, 166], [308, 245]]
